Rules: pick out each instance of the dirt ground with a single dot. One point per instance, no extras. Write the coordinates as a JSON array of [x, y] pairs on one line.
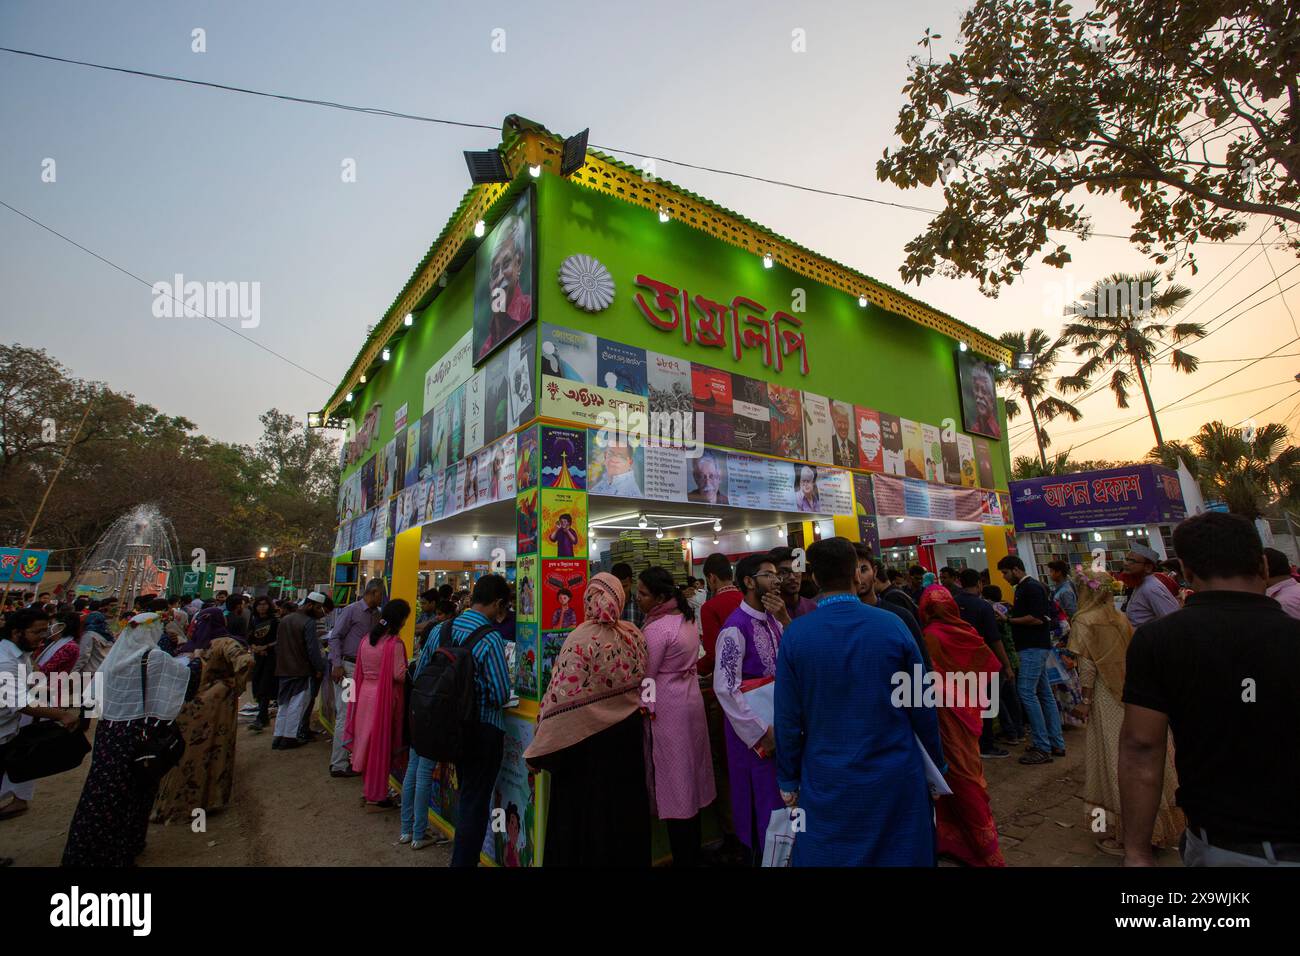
[[288, 811]]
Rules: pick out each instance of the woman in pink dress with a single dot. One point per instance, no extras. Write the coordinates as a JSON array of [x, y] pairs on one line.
[[374, 727], [679, 768]]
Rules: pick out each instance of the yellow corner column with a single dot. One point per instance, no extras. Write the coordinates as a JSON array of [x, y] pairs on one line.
[[406, 579], [995, 546]]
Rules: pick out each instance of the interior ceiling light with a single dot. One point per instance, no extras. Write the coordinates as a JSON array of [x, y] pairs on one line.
[[476, 541], [642, 522], [717, 524], [659, 532]]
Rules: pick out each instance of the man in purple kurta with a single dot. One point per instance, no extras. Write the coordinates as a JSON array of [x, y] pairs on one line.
[[746, 649]]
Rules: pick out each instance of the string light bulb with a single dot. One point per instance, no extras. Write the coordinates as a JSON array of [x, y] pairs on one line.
[[480, 228], [862, 301], [663, 214], [767, 260], [535, 171], [387, 355], [409, 320]]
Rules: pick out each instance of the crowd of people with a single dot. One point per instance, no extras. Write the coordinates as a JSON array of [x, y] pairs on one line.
[[776, 693]]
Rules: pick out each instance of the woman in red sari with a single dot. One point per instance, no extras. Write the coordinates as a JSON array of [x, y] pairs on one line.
[[374, 725], [966, 829]]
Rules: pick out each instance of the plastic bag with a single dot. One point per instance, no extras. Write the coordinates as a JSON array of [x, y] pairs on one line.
[[779, 842]]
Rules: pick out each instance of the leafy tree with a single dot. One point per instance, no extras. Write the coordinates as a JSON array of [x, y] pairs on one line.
[[1187, 111], [1117, 325], [1248, 471], [1031, 385]]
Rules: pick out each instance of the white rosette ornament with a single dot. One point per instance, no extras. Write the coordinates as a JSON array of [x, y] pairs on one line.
[[587, 283]]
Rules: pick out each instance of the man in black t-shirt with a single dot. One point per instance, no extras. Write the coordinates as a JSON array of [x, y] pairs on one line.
[[1030, 616], [1223, 674]]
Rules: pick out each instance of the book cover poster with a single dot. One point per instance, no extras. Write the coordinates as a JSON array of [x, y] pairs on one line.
[[387, 469], [984, 463], [475, 410], [711, 388], [616, 469], [966, 452], [564, 457], [526, 660], [526, 518], [620, 367], [786, 405], [891, 437], [368, 497], [932, 448], [514, 795], [456, 426], [913, 449], [951, 456], [668, 381], [496, 401], [552, 643], [706, 478], [412, 474], [870, 441], [564, 583], [501, 469], [451, 482], [399, 463], [476, 470], [527, 458], [817, 427], [844, 441], [563, 523], [753, 416], [526, 588], [521, 378], [425, 462], [568, 354], [439, 419]]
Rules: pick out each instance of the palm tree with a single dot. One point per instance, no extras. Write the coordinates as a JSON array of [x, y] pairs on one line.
[[1025, 467], [1031, 385], [1247, 471], [1121, 326]]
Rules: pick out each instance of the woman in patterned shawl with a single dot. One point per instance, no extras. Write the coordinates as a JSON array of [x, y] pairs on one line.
[[590, 738]]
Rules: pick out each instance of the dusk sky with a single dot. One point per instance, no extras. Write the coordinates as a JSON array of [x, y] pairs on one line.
[[164, 178]]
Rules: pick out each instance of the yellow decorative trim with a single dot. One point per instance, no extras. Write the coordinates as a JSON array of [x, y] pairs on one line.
[[534, 148]]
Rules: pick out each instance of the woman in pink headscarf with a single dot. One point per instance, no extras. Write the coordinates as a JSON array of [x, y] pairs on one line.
[[374, 724], [590, 738]]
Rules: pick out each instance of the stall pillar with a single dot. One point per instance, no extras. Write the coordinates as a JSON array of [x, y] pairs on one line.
[[406, 578], [997, 542]]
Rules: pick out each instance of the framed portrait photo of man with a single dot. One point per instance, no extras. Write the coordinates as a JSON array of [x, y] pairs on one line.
[[505, 279], [979, 396]]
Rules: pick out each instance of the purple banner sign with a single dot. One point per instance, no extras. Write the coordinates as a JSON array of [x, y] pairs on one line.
[[1138, 494]]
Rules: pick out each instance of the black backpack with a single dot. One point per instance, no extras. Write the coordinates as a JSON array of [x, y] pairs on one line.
[[441, 709]]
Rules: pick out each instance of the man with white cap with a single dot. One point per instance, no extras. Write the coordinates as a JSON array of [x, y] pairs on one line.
[[298, 658], [1150, 599], [350, 628]]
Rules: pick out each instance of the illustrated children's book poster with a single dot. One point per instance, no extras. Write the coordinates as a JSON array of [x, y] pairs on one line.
[[526, 510], [933, 450], [552, 642], [563, 585], [966, 451], [526, 660], [526, 459], [564, 457], [712, 390], [787, 421], [526, 585], [913, 449], [620, 367], [509, 838], [563, 524]]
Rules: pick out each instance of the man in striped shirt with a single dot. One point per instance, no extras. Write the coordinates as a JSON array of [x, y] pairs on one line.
[[489, 604]]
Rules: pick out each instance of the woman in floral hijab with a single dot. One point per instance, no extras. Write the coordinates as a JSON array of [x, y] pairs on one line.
[[591, 740], [1099, 639]]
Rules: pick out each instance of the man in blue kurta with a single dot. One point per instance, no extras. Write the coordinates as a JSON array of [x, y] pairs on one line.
[[846, 756]]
